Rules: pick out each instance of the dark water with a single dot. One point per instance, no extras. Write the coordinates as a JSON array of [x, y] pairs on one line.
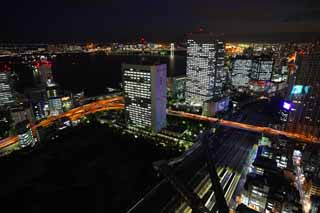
[[94, 73]]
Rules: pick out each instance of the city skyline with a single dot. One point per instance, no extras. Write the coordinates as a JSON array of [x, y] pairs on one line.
[[160, 106]]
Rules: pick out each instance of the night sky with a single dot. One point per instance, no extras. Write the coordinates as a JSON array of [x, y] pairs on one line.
[[128, 20]]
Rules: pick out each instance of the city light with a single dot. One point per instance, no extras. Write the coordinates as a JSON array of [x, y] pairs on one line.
[[286, 105]]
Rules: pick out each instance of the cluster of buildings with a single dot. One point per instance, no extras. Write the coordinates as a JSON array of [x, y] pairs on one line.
[[303, 100], [43, 100], [270, 182], [134, 47]]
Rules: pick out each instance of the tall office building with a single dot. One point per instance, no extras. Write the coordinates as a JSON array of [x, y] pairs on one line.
[[25, 134], [6, 87], [145, 88], [241, 69], [205, 68], [304, 116], [54, 99], [262, 69]]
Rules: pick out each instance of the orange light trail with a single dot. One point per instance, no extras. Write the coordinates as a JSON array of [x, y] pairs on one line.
[[73, 114], [117, 104], [248, 127]]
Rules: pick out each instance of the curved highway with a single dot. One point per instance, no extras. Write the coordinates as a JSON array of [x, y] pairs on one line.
[[73, 114], [116, 103]]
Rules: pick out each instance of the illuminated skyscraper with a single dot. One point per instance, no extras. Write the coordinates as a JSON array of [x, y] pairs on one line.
[[6, 87], [304, 116], [241, 69], [25, 134], [145, 88], [205, 69], [54, 99]]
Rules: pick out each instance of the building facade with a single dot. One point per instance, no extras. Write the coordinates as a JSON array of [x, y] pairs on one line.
[[25, 134], [54, 99], [178, 88], [6, 88], [304, 117], [145, 88], [241, 69], [262, 69], [205, 69]]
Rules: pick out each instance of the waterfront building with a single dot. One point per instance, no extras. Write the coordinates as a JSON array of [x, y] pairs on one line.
[[205, 68], [145, 87]]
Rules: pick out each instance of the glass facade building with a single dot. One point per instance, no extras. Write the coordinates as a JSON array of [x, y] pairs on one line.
[[241, 69], [54, 99], [205, 69]]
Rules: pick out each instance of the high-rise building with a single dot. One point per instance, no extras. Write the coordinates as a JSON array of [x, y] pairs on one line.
[[304, 116], [25, 134], [262, 69], [241, 69], [6, 87], [54, 99], [205, 68], [145, 88]]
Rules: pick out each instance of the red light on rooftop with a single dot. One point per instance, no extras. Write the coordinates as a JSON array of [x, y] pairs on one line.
[[43, 62], [200, 29], [4, 67]]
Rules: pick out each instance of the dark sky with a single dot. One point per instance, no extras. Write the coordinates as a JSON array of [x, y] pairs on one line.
[[108, 20]]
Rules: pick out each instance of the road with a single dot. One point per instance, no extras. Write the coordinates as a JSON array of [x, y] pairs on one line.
[[115, 103], [244, 126], [231, 152], [74, 114]]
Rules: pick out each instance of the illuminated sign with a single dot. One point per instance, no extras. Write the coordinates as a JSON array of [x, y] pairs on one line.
[[297, 90], [306, 89], [286, 105]]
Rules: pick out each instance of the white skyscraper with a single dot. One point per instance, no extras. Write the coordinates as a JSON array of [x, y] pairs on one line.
[[6, 90], [145, 88], [240, 72], [205, 69], [54, 99]]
